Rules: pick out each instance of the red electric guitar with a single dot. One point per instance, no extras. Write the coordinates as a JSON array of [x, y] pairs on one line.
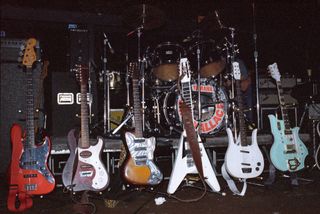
[[28, 171]]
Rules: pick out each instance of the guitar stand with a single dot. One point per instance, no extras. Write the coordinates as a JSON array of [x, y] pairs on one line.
[[272, 174], [128, 117]]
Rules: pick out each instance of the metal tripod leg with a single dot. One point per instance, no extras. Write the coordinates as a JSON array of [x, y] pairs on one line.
[[128, 117]]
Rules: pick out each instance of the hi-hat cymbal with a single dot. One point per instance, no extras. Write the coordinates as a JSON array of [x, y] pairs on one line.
[[146, 16]]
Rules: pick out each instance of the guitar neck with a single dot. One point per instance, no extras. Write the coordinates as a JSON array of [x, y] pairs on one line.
[[242, 125], [30, 138], [186, 94], [284, 110], [84, 118], [137, 111]]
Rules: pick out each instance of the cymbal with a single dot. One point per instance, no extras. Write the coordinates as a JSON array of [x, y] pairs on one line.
[[146, 16]]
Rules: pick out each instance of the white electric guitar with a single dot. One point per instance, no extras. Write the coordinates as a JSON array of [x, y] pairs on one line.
[[242, 159], [184, 163]]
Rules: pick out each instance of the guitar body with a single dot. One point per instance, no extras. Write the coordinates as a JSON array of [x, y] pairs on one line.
[[287, 152], [243, 161], [184, 165], [31, 170], [139, 168], [90, 173]]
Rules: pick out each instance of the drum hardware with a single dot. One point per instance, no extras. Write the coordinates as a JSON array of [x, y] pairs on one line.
[[106, 87], [255, 55]]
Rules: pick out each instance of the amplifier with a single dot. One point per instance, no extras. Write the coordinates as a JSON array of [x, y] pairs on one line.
[[314, 111], [64, 107], [11, 49], [286, 82], [270, 97]]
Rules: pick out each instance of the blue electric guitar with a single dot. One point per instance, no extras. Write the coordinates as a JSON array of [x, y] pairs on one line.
[[288, 152]]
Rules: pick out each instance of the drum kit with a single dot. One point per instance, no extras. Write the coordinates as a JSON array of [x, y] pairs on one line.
[[209, 61]]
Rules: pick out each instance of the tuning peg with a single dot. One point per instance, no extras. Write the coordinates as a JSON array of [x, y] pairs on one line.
[[19, 59]]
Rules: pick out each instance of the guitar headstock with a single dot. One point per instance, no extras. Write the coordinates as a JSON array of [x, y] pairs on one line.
[[274, 71], [236, 70], [82, 74], [29, 56], [184, 70]]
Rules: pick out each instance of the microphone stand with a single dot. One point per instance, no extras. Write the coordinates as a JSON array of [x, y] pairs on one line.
[[106, 91], [255, 55]]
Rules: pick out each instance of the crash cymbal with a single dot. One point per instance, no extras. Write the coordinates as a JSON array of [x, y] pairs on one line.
[[147, 16]]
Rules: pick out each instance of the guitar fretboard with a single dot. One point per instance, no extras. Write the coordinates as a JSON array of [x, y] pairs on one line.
[[84, 117], [186, 94], [137, 109], [283, 108], [30, 138], [242, 125]]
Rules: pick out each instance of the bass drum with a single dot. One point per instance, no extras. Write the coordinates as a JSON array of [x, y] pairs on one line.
[[214, 108]]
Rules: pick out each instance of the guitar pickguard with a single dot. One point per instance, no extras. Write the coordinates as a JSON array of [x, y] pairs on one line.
[[287, 152], [184, 165], [140, 168]]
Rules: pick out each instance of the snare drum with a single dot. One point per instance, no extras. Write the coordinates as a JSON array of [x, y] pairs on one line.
[[212, 62], [214, 102], [165, 60]]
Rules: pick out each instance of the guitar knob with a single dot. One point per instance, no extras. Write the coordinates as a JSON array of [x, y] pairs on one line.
[[259, 164]]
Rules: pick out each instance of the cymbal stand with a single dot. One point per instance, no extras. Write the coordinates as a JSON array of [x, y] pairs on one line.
[[199, 88], [106, 90], [232, 96], [127, 80]]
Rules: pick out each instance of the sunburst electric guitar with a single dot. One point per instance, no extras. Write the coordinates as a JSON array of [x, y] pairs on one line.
[[243, 159], [184, 162], [84, 169], [139, 168], [28, 171], [287, 152]]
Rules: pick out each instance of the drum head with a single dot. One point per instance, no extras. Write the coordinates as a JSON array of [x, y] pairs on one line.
[[214, 107], [165, 59], [211, 60]]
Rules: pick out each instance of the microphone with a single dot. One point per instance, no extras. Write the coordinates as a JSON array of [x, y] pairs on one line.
[[107, 42], [218, 19]]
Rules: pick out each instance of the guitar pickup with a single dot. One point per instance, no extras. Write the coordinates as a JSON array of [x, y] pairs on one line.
[[139, 140], [246, 170], [140, 149], [290, 148]]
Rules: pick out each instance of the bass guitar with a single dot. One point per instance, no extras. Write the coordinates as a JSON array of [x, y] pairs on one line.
[[243, 159], [139, 168], [28, 170], [287, 152], [84, 169], [185, 162]]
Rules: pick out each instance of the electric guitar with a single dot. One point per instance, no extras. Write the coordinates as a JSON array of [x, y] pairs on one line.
[[28, 171], [287, 152], [139, 168], [184, 162], [242, 159], [84, 169]]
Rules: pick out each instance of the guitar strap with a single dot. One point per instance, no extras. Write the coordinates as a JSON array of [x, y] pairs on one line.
[[192, 137], [231, 183]]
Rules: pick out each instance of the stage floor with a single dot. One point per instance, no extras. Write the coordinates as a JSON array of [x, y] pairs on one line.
[[278, 198]]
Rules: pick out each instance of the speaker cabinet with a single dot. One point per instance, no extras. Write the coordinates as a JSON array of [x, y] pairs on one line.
[[13, 103], [65, 103]]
